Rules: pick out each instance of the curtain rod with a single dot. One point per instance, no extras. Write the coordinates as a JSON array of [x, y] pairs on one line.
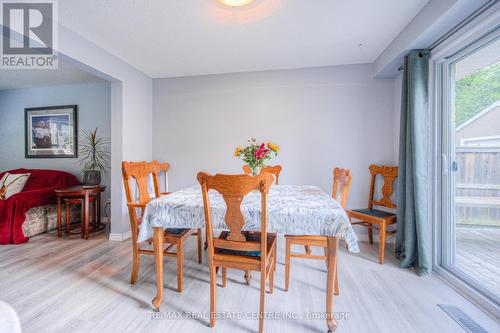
[[459, 26]]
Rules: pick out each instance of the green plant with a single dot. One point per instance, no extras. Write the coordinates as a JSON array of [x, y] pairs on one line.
[[476, 91], [94, 152]]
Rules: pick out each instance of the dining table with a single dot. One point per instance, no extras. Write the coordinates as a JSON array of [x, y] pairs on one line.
[[291, 210]]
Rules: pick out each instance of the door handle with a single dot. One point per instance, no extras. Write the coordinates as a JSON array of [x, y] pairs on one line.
[[454, 166], [444, 164]]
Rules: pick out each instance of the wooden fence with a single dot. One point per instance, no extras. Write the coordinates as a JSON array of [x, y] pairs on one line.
[[477, 195]]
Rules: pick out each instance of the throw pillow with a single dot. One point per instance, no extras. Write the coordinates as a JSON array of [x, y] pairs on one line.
[[11, 184]]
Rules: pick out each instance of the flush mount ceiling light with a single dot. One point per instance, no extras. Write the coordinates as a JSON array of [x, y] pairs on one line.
[[235, 3]]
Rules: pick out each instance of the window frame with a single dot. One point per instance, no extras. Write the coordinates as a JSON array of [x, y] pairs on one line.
[[481, 32]]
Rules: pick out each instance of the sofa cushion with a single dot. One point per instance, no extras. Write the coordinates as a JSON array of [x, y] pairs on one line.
[[11, 184]]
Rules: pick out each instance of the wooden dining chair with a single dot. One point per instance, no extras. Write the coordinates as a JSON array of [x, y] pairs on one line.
[[375, 218], [274, 170], [340, 192], [237, 249], [140, 172]]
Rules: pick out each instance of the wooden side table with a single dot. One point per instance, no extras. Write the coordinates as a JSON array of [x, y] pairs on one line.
[[84, 196]]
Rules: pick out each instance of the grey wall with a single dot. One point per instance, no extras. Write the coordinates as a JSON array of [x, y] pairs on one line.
[[94, 110], [321, 117]]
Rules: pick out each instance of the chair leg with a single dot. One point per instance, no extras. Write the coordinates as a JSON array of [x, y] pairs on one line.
[[224, 277], [382, 243], [275, 255], [308, 249], [180, 264], [287, 263], [136, 262], [370, 235], [248, 277], [336, 287], [213, 282], [262, 298], [271, 274], [200, 240], [206, 239]]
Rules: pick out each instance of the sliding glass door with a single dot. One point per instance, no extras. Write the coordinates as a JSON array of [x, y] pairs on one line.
[[470, 166]]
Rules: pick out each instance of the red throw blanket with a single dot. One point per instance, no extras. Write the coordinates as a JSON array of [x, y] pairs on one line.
[[38, 191]]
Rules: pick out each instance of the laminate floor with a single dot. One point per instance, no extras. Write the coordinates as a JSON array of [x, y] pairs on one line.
[[72, 285]]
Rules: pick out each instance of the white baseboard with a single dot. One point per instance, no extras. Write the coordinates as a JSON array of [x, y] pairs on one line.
[[120, 237]]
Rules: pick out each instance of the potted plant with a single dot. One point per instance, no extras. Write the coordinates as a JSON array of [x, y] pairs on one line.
[[254, 155], [94, 157]]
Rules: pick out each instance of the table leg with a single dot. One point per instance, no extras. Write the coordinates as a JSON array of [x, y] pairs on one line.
[[86, 215], [94, 215], [98, 211], [59, 222], [333, 244], [68, 221], [82, 219], [158, 249]]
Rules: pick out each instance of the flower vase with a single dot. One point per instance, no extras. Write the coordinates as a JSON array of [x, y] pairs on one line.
[[255, 170]]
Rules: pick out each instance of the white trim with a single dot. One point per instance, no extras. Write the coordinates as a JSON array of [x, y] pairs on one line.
[[484, 303], [465, 41], [479, 138], [479, 115], [120, 237]]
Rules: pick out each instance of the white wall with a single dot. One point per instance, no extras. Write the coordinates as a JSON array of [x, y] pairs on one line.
[[131, 112], [94, 110], [321, 117]]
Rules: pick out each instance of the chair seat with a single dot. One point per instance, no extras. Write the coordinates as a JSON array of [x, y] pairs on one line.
[[240, 253], [250, 237], [374, 212], [176, 231]]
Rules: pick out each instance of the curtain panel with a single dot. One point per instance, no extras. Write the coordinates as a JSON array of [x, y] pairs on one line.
[[412, 242]]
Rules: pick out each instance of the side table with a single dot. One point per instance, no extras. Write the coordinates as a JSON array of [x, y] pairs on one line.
[[84, 196]]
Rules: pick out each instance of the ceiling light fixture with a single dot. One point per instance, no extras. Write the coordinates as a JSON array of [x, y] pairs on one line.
[[235, 3]]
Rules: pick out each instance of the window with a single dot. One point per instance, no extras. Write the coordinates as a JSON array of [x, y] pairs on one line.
[[467, 201]]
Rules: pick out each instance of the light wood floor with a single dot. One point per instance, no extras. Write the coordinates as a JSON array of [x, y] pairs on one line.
[[60, 285]]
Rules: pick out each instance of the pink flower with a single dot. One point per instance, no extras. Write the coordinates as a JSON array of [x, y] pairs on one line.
[[261, 152]]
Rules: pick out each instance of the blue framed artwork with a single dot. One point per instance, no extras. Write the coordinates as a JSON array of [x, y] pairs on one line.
[[51, 132]]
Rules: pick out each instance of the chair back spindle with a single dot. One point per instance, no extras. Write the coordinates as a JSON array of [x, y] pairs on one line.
[[274, 170], [233, 188], [157, 169], [389, 174], [341, 185], [138, 172]]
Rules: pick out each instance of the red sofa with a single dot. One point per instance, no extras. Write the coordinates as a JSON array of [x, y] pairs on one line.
[[38, 191]]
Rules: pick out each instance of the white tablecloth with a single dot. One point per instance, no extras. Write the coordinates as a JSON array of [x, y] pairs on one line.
[[291, 210]]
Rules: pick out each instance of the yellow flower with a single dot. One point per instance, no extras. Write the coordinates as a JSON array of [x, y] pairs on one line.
[[237, 152], [273, 147]]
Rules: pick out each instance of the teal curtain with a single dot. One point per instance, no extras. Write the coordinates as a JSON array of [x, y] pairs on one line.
[[412, 242]]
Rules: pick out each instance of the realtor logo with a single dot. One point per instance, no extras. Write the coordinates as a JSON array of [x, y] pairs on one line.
[[29, 34]]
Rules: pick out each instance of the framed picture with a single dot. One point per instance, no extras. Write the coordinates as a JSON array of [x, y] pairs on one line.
[[51, 132]]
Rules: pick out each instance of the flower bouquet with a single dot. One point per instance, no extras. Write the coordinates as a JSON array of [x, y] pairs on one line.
[[254, 155]]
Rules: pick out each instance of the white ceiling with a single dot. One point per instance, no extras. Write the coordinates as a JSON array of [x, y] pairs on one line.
[[169, 38], [27, 78]]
